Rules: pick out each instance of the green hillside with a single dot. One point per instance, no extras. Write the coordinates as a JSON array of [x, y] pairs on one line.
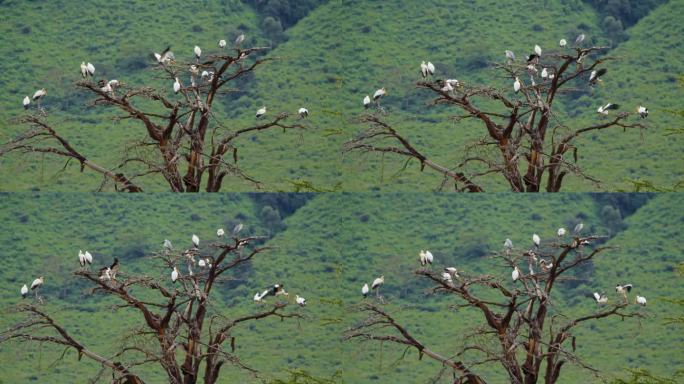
[[328, 61], [325, 251]]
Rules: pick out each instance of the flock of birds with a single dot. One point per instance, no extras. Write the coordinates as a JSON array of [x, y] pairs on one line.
[[109, 273], [449, 274], [427, 69], [164, 58]]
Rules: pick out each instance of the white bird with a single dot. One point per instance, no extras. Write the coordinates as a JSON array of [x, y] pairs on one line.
[[222, 43], [167, 244], [508, 244], [596, 75], [202, 263], [603, 109], [164, 57], [510, 55], [114, 83], [198, 52], [258, 297], [364, 290], [536, 240], [37, 283], [446, 277], [640, 300], [303, 112], [561, 232], [237, 229], [423, 69], [24, 291], [379, 93], [366, 101], [537, 50], [91, 69], [452, 82], [623, 289], [578, 228], [26, 102], [515, 275], [377, 283], [220, 232], [642, 111], [105, 274], [174, 274], [562, 43], [300, 301], [39, 94], [260, 112], [107, 88], [452, 271], [447, 87], [84, 70], [544, 73], [81, 258], [195, 240], [430, 68], [205, 75], [600, 299], [545, 265], [88, 257], [516, 85], [240, 39], [176, 86], [429, 257], [579, 39]]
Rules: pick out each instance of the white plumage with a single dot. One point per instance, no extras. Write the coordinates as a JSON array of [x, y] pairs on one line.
[[508, 244], [378, 282], [640, 300], [39, 94], [84, 70], [91, 69], [174, 274], [300, 301], [24, 291], [240, 39], [366, 101], [364, 290], [430, 68], [198, 52], [446, 277], [237, 229], [379, 93], [176, 86], [515, 275], [303, 112], [26, 102], [516, 85], [561, 232], [537, 50], [510, 55], [600, 299], [563, 43], [579, 39], [260, 112], [222, 43], [423, 69], [578, 228], [195, 240], [642, 111], [535, 239], [167, 244], [544, 73], [604, 109], [37, 283], [220, 232]]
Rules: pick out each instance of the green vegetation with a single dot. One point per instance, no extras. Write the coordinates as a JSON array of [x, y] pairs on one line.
[[332, 54], [327, 246]]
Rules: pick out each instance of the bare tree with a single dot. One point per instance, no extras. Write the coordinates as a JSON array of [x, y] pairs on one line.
[[178, 330], [524, 141], [522, 328], [179, 132]]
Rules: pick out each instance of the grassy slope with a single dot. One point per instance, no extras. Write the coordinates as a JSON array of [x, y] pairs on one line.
[[331, 246], [334, 56]]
